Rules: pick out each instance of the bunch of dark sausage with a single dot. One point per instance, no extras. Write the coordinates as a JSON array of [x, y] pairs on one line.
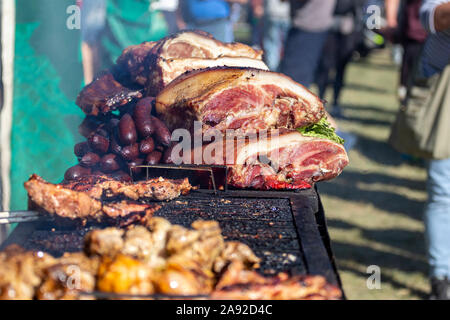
[[117, 144]]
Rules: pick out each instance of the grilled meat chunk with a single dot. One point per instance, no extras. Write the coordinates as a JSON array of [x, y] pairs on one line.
[[179, 280], [282, 159], [72, 273], [63, 202], [138, 243], [21, 272], [287, 161], [67, 203], [163, 71], [105, 94], [124, 274], [132, 62], [200, 44], [103, 186], [156, 258], [195, 249], [237, 283], [242, 99], [236, 251], [106, 242], [156, 64]]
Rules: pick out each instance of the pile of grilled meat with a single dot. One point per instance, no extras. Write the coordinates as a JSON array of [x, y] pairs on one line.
[[276, 127], [131, 111], [154, 258]]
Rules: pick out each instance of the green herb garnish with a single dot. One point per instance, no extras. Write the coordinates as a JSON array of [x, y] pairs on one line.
[[321, 129]]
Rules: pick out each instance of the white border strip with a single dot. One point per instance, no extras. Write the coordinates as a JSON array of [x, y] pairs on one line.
[[8, 44]]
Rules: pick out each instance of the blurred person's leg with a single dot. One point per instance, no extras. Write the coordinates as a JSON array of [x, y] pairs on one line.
[[411, 52], [171, 20], [326, 64], [93, 14], [345, 46], [302, 54], [437, 219], [220, 29], [273, 40], [89, 58]]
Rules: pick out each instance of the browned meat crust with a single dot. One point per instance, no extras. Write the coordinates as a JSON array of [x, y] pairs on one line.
[[72, 204], [242, 99], [132, 62], [72, 273], [237, 283], [200, 44], [181, 261], [155, 64], [105, 94], [101, 186], [21, 272]]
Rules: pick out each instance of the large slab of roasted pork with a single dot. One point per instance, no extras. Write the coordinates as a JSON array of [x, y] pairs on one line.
[[283, 159], [242, 99]]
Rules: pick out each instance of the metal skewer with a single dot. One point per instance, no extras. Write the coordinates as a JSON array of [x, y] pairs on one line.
[[189, 167], [7, 217]]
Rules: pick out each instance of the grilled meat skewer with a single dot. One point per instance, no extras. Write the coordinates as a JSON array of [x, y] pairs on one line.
[[82, 198]]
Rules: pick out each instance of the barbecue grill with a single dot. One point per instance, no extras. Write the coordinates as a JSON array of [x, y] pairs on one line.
[[286, 229]]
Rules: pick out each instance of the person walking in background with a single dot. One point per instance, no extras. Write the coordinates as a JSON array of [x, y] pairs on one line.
[[93, 14], [403, 18], [435, 17], [276, 23], [344, 37], [169, 9], [256, 22], [213, 16], [311, 20]]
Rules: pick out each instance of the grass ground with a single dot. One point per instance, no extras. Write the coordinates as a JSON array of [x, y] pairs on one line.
[[374, 208]]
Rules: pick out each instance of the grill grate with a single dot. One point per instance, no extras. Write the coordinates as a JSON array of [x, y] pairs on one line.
[[266, 225], [280, 227]]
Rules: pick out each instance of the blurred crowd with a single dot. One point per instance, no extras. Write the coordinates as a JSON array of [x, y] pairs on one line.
[[312, 41], [307, 40]]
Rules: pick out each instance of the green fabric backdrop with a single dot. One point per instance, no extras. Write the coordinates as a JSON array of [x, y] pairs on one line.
[[47, 79]]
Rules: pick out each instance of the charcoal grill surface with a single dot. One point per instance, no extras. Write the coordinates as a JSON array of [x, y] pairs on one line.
[[266, 225], [286, 229]]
